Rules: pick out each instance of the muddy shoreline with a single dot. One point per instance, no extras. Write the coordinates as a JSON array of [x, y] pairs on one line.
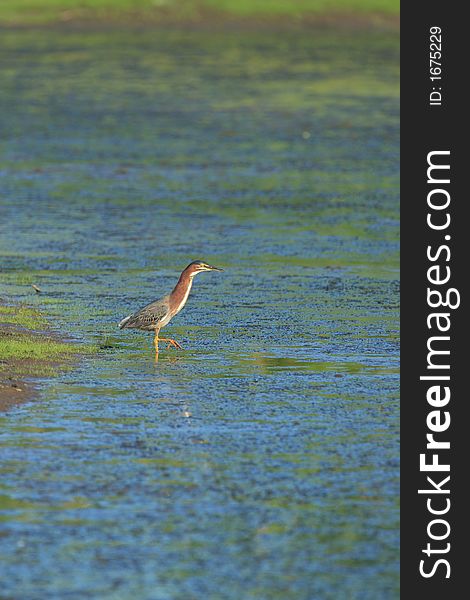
[[29, 352], [14, 391]]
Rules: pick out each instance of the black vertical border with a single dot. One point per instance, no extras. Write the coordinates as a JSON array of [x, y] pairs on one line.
[[426, 128]]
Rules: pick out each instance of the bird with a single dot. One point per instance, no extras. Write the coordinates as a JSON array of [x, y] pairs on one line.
[[159, 313]]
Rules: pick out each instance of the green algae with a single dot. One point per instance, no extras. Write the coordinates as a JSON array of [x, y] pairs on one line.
[[40, 12]]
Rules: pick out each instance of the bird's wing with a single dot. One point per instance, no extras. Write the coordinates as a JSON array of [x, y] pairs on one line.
[[147, 317]]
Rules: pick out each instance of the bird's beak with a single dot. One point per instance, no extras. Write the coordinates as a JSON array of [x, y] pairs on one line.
[[215, 268]]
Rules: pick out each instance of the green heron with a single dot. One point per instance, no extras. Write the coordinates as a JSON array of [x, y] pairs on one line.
[[159, 313]]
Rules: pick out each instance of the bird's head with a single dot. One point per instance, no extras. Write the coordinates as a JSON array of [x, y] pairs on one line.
[[198, 266]]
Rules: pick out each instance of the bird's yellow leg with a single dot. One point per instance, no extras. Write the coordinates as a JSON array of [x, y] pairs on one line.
[[171, 343], [155, 341]]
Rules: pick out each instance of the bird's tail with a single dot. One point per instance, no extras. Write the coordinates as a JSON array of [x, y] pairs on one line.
[[124, 322]]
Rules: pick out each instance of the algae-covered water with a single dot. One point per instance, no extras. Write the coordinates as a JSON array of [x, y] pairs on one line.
[[261, 462]]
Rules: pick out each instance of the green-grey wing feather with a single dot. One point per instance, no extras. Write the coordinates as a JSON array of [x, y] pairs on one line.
[[147, 317]]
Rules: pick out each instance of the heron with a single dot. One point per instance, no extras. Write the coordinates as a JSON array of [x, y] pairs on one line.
[[159, 313]]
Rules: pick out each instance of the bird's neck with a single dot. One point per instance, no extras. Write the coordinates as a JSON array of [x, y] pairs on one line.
[[180, 293]]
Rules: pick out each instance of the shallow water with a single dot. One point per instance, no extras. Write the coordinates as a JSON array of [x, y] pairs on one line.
[[261, 462]]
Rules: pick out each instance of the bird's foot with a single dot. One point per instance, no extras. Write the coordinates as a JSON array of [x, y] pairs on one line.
[[171, 343]]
